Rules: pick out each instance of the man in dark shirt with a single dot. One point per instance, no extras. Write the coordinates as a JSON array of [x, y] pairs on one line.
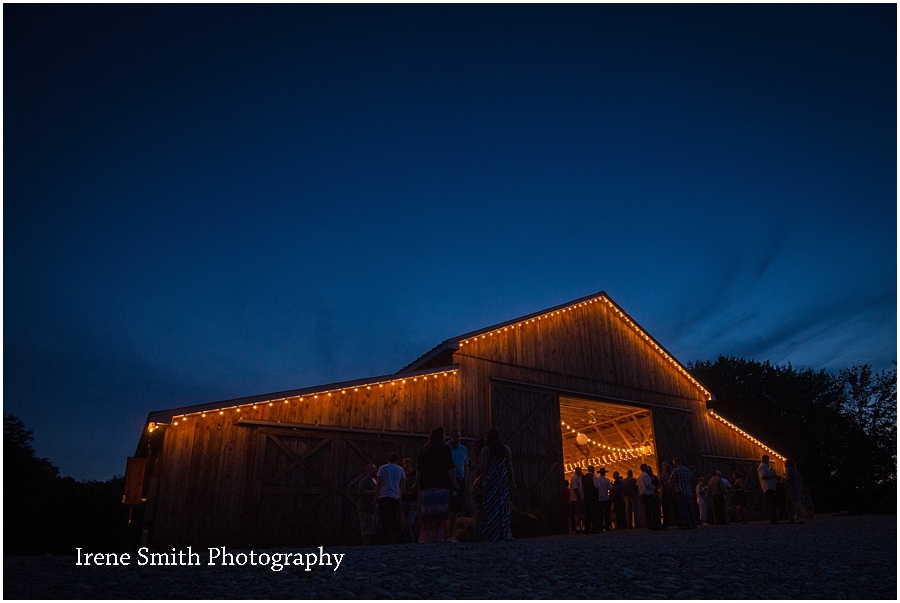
[[617, 495], [716, 490], [591, 502], [682, 487], [365, 507], [632, 502]]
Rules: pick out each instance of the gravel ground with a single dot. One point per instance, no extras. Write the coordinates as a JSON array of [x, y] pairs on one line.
[[826, 558]]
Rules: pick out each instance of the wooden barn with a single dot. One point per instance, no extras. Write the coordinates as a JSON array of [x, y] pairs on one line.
[[581, 383]]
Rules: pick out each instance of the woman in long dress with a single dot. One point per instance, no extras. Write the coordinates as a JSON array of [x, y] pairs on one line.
[[498, 483]]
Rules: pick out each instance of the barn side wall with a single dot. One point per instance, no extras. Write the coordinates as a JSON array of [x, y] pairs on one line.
[[209, 470]]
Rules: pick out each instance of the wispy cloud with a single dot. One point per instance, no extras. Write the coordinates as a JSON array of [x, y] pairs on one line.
[[821, 322], [737, 271]]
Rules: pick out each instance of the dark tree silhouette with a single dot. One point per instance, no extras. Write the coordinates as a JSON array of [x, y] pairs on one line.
[[838, 427], [46, 513]]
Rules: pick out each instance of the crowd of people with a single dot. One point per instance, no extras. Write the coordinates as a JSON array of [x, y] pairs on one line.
[[675, 498], [399, 503]]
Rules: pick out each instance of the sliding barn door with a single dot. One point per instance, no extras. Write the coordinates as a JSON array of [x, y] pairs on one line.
[[673, 435], [528, 421], [294, 501], [307, 483]]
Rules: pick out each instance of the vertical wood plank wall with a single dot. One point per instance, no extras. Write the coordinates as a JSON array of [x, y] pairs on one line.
[[207, 467]]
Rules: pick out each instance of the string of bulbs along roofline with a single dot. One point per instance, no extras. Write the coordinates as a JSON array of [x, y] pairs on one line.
[[603, 299], [659, 349], [176, 419], [746, 435]]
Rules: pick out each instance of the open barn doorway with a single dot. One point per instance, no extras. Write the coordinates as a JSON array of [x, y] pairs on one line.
[[603, 434]]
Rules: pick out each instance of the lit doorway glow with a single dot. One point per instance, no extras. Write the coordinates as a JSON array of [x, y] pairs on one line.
[[603, 434]]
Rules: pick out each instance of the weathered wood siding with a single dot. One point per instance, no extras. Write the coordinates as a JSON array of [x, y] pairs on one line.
[[222, 483], [587, 348]]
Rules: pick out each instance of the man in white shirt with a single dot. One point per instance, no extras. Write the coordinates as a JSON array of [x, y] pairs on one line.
[[389, 482], [767, 483]]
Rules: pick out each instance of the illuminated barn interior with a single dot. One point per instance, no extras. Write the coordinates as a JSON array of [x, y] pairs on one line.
[[606, 435]]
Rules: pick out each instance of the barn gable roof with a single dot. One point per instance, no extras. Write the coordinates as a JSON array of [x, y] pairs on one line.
[[442, 354], [438, 359]]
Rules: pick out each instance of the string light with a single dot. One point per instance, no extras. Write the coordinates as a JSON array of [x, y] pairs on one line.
[[182, 418], [745, 434], [640, 450], [624, 317]]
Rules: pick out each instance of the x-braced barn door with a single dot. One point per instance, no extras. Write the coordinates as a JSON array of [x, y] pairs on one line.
[[528, 421], [756, 500], [353, 454], [307, 482], [674, 437], [293, 501]]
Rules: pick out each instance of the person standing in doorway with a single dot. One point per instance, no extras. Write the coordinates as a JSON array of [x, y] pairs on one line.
[[649, 498], [603, 486], [591, 502], [667, 496], [617, 496], [632, 502], [577, 501]]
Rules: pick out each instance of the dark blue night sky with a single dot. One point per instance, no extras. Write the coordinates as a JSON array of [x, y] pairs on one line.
[[205, 202]]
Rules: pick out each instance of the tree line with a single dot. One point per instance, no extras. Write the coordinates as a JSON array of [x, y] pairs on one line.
[[46, 513], [840, 428]]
